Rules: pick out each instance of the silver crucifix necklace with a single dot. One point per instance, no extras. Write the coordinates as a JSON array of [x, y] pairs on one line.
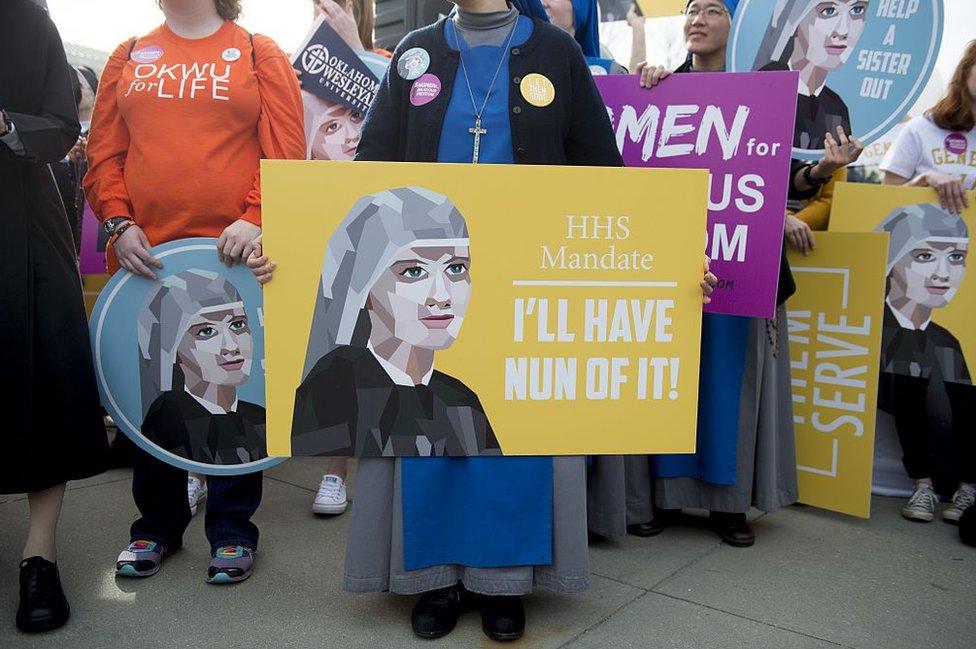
[[477, 131]]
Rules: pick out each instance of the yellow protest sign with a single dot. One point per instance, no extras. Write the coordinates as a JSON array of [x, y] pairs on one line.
[[835, 323], [578, 291], [658, 8], [928, 337]]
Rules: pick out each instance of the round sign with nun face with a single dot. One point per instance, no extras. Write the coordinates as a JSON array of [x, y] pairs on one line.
[[180, 360], [862, 63]]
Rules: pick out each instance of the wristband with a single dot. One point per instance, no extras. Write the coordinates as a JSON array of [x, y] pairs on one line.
[[119, 231], [810, 180]]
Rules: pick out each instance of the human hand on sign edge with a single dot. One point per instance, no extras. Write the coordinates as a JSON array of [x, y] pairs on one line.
[[650, 75], [708, 283], [259, 263], [236, 242], [132, 250], [799, 235], [952, 193], [837, 154]]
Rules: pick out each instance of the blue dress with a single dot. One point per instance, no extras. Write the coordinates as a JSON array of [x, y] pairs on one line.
[[484, 515]]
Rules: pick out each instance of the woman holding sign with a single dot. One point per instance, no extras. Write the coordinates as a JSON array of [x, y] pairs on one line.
[[182, 119], [745, 452], [938, 149], [496, 84]]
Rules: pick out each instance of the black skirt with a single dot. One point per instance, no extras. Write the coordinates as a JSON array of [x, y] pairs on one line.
[[52, 427]]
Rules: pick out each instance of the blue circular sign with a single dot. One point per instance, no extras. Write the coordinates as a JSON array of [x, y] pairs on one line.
[[180, 360], [863, 63]]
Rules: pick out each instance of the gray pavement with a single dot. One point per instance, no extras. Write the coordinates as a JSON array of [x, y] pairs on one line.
[[813, 579]]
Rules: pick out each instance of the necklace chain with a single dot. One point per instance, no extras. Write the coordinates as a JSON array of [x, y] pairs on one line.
[[464, 70]]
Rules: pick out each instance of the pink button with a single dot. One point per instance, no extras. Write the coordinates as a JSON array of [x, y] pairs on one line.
[[956, 143], [425, 90]]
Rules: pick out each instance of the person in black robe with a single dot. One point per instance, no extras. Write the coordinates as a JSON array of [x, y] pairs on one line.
[[53, 429], [358, 396]]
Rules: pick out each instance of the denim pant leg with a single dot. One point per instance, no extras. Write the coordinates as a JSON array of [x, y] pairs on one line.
[[159, 491], [231, 502]]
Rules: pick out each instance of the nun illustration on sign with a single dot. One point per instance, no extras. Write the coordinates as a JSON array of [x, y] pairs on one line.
[[395, 288], [925, 382], [926, 264], [195, 349], [814, 37]]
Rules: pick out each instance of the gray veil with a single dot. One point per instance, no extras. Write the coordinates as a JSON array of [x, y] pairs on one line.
[[777, 42], [912, 224]]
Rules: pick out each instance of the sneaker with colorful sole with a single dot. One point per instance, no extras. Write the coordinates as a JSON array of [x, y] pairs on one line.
[[141, 558], [230, 564]]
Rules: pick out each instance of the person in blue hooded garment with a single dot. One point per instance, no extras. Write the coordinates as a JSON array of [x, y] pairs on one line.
[[745, 439], [581, 20], [477, 532]]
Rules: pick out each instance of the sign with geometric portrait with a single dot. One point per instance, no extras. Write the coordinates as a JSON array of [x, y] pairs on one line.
[[928, 337], [458, 310], [180, 360], [863, 63]]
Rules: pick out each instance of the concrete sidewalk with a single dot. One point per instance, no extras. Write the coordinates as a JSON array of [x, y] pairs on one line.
[[813, 579]]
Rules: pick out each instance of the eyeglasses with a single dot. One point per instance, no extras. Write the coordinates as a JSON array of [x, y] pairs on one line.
[[710, 13]]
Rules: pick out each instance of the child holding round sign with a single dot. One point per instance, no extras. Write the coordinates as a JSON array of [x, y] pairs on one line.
[[182, 119]]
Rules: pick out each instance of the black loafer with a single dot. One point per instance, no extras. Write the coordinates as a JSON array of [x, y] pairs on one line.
[[663, 518], [437, 612], [733, 529], [502, 617], [43, 605], [646, 529]]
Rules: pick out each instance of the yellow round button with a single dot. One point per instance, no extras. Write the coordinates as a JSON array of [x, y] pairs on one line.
[[537, 90]]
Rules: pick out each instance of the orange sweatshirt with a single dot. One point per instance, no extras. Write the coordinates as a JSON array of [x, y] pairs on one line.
[[179, 129]]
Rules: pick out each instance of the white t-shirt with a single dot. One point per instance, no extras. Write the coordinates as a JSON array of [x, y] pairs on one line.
[[923, 146]]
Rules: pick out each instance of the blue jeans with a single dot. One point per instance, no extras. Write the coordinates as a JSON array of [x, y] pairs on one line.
[[160, 494]]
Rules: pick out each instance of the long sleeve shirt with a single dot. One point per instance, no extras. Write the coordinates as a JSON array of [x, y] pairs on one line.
[[180, 127]]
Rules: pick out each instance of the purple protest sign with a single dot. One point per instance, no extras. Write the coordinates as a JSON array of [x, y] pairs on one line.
[[91, 259], [739, 127]]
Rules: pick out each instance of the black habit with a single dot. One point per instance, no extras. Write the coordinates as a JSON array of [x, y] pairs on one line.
[[349, 405], [179, 424], [52, 429]]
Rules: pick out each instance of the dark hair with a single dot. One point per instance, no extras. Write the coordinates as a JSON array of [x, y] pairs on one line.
[[90, 76], [955, 111], [226, 9]]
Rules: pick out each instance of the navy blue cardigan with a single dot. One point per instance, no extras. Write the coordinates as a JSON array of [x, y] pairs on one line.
[[573, 130]]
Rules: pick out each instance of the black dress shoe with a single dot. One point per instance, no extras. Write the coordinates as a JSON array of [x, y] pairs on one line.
[[43, 605], [732, 529], [502, 617], [437, 612], [646, 529], [663, 518]]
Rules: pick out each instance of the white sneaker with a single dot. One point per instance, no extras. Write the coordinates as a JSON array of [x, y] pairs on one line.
[[196, 493], [921, 506], [331, 497], [963, 499]]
